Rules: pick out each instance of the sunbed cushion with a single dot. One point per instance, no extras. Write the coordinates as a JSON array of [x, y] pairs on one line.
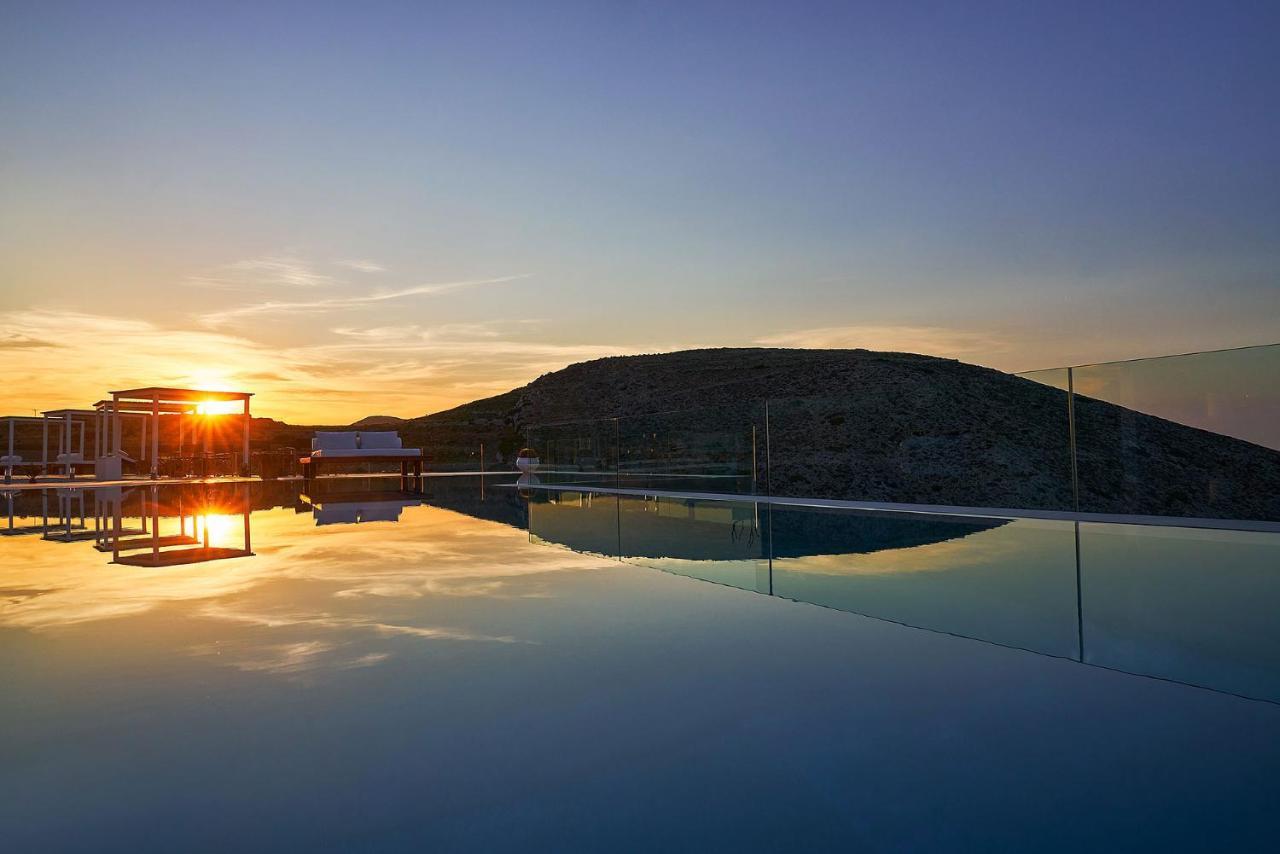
[[331, 441], [379, 440]]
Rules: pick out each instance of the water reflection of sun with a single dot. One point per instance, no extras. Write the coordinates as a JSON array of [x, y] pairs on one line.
[[222, 529]]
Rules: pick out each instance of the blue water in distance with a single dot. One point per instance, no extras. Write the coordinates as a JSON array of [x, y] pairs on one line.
[[359, 669]]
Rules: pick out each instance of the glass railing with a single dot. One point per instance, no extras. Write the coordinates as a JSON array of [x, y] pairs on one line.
[[579, 452], [1195, 436], [710, 449]]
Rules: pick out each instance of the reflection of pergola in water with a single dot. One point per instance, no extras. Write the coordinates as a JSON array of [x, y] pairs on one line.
[[64, 504], [154, 401], [153, 549]]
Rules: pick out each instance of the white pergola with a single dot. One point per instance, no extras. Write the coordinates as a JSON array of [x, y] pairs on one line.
[[66, 420], [12, 460], [106, 413], [154, 401]]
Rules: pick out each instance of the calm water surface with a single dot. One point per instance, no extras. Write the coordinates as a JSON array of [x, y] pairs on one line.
[[254, 668]]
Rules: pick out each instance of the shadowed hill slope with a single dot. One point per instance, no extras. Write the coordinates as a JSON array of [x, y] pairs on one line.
[[890, 427]]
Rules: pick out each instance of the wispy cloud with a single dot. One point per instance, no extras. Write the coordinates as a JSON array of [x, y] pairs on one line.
[[403, 369], [14, 341], [286, 271], [271, 307], [362, 265], [412, 334], [930, 340]]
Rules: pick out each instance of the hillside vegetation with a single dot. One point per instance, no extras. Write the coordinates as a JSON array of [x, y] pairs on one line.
[[882, 427]]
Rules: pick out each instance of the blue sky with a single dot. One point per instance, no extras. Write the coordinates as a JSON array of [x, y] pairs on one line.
[[470, 194]]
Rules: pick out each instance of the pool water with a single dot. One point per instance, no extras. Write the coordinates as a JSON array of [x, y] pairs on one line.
[[253, 667]]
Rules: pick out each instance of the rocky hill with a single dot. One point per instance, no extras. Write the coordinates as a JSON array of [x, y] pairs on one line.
[[865, 425]]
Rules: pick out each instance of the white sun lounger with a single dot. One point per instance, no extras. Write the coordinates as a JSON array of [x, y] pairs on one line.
[[361, 446]]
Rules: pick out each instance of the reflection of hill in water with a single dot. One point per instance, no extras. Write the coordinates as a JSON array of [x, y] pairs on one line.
[[810, 531], [707, 530]]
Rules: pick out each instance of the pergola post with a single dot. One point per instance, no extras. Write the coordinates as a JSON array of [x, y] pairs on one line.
[[66, 430], [244, 470], [155, 524], [155, 437], [247, 510], [115, 424], [44, 446]]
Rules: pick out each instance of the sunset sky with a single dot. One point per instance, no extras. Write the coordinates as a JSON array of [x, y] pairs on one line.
[[392, 208]]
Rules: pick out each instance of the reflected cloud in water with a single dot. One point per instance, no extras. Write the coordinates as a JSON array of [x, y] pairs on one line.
[[331, 584]]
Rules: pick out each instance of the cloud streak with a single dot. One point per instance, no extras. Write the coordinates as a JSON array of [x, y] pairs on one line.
[[220, 318], [405, 370], [11, 341], [284, 271], [362, 265]]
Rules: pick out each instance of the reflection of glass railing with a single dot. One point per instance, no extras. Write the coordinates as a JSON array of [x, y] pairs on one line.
[[1194, 436], [1190, 605]]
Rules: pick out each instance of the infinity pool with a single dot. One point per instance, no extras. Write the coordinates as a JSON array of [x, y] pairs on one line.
[[259, 668]]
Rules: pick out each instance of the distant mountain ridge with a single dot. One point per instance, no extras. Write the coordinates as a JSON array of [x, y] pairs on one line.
[[377, 421]]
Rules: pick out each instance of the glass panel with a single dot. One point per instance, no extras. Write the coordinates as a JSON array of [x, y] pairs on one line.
[[579, 453], [714, 449], [1007, 582], [720, 541], [1193, 606], [578, 520], [951, 434], [1195, 435]]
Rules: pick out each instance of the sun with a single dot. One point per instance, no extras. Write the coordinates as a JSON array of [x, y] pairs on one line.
[[219, 407]]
